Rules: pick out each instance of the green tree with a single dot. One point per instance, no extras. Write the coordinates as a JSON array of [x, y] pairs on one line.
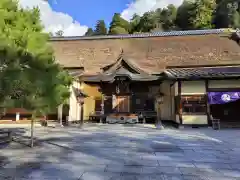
[[184, 13], [134, 24], [168, 17], [100, 28], [227, 14], [148, 22], [118, 23], [89, 32], [119, 30], [29, 76], [202, 14]]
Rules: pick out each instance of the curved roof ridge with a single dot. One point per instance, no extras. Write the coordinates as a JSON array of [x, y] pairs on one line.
[[145, 35]]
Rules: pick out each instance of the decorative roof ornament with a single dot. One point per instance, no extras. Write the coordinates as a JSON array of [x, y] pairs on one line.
[[122, 51], [238, 33], [121, 54]]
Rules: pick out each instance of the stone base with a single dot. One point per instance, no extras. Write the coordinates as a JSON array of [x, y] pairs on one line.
[[159, 126], [122, 119], [180, 127]]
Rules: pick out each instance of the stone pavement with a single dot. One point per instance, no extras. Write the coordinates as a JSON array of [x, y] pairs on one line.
[[120, 152]]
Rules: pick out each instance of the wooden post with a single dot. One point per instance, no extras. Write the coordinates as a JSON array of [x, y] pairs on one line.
[[81, 115], [32, 131], [17, 116], [102, 108], [179, 102], [158, 113], [60, 113], [207, 103]]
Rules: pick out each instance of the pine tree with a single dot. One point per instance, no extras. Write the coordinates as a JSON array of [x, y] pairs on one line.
[[89, 32], [100, 28], [29, 76]]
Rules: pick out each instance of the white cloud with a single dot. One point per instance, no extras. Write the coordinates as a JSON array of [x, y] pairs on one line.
[[54, 21], [141, 6]]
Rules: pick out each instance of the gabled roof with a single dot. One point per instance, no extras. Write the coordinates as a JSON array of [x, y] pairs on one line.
[[151, 52], [122, 67], [121, 61]]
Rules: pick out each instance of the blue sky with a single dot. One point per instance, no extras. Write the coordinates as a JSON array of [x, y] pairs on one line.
[[88, 12], [74, 17]]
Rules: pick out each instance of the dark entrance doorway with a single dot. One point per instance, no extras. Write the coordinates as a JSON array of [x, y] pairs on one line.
[[226, 107]]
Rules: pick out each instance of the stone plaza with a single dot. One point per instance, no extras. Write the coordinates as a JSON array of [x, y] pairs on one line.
[[123, 152]]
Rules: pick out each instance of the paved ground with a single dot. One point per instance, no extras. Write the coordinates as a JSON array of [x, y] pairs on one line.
[[118, 152]]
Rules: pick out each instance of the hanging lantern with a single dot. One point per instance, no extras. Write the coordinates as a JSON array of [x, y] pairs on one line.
[[160, 98], [117, 89]]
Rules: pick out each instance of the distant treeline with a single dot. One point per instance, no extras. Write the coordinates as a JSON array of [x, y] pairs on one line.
[[198, 14]]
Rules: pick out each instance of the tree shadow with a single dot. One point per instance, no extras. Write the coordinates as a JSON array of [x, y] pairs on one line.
[[71, 154]]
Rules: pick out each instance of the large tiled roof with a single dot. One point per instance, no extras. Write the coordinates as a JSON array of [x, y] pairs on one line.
[[152, 52]]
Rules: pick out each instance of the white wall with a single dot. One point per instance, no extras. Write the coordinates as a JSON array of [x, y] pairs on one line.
[[195, 119], [193, 87], [224, 84], [74, 108]]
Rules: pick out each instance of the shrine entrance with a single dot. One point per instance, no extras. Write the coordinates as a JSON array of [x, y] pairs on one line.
[[122, 104], [124, 88]]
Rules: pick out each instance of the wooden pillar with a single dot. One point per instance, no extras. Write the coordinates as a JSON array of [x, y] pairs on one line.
[[179, 102], [60, 113], [81, 114], [17, 116], [158, 112], [102, 108], [207, 103]]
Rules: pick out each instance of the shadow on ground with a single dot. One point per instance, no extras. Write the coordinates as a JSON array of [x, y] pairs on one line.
[[74, 152]]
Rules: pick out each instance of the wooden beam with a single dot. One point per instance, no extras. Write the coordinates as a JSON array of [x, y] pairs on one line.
[[179, 101]]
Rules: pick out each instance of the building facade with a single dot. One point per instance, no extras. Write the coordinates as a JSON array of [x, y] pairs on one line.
[[172, 76]]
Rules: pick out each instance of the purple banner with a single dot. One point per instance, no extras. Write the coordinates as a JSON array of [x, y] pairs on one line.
[[223, 97]]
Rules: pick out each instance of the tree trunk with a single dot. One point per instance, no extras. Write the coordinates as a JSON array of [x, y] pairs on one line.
[[32, 131]]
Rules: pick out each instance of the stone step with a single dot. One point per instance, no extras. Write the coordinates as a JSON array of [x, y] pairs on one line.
[[230, 124]]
